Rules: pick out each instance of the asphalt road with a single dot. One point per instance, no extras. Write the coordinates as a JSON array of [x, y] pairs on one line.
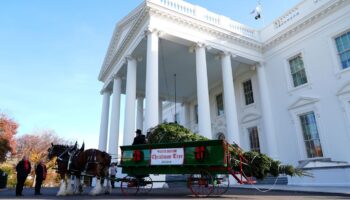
[[175, 193]]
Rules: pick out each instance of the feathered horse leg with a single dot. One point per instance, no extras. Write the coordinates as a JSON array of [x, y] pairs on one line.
[[63, 187]]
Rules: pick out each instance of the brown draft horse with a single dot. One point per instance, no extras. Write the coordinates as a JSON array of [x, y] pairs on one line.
[[92, 162], [61, 152]]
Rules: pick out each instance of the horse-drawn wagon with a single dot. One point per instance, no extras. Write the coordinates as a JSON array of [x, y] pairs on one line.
[[206, 164]]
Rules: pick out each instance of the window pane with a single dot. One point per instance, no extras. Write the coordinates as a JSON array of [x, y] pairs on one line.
[[344, 60], [343, 47], [177, 118], [254, 139], [297, 71], [196, 113], [311, 136], [339, 45], [248, 92], [220, 104], [346, 42]]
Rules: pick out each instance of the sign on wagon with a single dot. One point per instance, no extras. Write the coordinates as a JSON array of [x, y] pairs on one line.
[[173, 156]]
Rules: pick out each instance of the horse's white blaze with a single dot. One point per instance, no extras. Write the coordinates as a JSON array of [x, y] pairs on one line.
[[62, 190], [69, 187], [97, 189]]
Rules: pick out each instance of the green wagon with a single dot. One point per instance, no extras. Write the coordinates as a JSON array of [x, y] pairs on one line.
[[208, 165]]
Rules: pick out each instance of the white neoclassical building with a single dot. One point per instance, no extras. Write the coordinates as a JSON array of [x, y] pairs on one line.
[[283, 90]]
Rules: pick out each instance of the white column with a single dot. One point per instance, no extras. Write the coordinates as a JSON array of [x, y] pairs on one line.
[[187, 116], [130, 99], [204, 122], [151, 113], [139, 117], [267, 112], [229, 100], [160, 111], [102, 143], [115, 115]]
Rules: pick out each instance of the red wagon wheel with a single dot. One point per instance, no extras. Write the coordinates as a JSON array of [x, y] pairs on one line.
[[145, 185], [201, 184], [129, 185], [221, 184]]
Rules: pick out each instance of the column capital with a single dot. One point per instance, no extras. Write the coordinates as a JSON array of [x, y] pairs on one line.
[[116, 76], [261, 64], [200, 45], [222, 54], [129, 58], [105, 91], [151, 30], [196, 46]]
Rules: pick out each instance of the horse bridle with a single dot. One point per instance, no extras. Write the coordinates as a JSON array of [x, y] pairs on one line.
[[60, 157]]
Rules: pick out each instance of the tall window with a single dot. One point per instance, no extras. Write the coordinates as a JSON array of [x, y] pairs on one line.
[[177, 117], [196, 113], [248, 92], [220, 104], [343, 47], [297, 71], [254, 139], [311, 137]]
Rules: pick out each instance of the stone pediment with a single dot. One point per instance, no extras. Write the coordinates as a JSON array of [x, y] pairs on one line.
[[302, 101], [250, 117], [345, 89]]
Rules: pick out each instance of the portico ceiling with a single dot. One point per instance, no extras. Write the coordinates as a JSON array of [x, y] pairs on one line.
[[175, 58]]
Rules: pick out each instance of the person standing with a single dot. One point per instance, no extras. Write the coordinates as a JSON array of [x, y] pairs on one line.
[[23, 168], [140, 138], [112, 173], [40, 173]]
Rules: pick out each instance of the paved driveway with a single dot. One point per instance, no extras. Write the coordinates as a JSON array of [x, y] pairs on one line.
[[175, 193]]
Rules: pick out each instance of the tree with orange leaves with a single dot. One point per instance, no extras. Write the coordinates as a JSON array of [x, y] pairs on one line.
[[8, 128]]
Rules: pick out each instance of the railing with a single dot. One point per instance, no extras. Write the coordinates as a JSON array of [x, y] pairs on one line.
[[203, 14], [179, 6], [289, 16], [295, 14], [302, 9]]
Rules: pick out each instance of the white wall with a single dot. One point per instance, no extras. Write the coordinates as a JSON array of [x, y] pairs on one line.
[[322, 66]]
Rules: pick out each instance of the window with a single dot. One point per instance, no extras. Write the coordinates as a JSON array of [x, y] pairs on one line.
[[297, 71], [254, 139], [196, 113], [310, 133], [221, 136], [220, 104], [343, 47], [248, 92], [177, 118]]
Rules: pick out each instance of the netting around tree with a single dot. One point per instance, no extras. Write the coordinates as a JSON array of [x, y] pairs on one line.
[[257, 165]]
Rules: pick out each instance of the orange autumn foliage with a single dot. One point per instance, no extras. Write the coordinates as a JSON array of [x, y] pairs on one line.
[[8, 129]]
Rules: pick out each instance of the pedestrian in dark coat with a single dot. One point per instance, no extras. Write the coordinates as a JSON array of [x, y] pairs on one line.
[[40, 173], [23, 168], [140, 138]]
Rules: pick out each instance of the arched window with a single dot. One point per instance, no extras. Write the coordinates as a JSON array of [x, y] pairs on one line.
[[220, 136]]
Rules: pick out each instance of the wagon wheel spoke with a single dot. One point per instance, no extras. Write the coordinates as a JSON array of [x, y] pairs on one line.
[[221, 184], [129, 185], [201, 184], [145, 185]]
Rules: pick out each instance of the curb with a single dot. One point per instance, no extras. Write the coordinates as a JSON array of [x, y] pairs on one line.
[[299, 191]]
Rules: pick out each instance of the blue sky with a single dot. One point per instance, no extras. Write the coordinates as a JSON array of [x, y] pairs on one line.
[[51, 53]]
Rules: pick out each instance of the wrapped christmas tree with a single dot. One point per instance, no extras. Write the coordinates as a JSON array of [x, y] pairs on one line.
[[255, 164]]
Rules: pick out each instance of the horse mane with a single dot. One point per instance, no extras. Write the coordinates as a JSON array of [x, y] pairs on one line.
[[62, 145]]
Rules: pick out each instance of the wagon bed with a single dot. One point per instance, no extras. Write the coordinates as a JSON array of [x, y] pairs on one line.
[[208, 164]]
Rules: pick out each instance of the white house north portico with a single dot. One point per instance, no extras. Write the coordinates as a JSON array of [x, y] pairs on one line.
[[282, 90]]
